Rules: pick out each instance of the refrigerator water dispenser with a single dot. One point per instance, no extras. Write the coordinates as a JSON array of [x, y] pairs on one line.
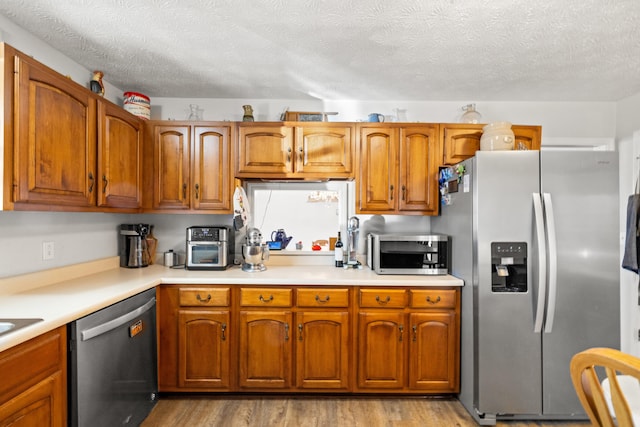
[[508, 266]]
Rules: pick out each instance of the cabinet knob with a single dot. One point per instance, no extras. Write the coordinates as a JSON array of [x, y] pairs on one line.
[[203, 300], [184, 190], [91, 182], [299, 331], [404, 192], [224, 329], [430, 301], [197, 191], [415, 333], [401, 329], [105, 182], [286, 332], [261, 298], [385, 301], [289, 154], [391, 191], [322, 301]]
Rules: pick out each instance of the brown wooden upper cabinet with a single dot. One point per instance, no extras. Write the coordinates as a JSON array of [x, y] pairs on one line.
[[295, 150], [461, 140], [189, 166], [398, 169], [65, 148]]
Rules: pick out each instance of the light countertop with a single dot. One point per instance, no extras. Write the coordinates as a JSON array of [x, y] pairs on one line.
[[63, 295]]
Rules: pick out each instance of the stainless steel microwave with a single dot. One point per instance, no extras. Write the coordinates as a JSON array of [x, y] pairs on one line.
[[209, 247], [427, 254]]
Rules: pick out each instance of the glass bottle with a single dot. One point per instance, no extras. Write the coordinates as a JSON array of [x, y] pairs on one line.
[[471, 115], [338, 252]]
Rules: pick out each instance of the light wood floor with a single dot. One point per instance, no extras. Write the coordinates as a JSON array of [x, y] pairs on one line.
[[316, 411]]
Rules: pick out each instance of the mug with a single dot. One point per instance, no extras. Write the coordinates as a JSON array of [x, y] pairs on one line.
[[376, 117]]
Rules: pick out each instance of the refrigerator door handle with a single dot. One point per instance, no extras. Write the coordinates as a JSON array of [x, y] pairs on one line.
[[542, 261], [553, 261]]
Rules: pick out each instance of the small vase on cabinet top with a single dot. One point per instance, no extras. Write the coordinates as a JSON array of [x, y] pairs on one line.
[[497, 136], [248, 113]]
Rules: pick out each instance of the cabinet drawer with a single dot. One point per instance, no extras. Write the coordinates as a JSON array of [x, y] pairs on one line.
[[265, 297], [433, 298], [383, 298], [321, 297], [204, 297]]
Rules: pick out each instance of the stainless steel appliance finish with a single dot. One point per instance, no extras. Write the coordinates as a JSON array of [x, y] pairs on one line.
[[132, 245], [353, 231], [112, 364], [559, 210], [254, 252], [208, 247], [409, 254]]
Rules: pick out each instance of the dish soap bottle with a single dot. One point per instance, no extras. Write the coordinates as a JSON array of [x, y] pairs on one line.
[[338, 252]]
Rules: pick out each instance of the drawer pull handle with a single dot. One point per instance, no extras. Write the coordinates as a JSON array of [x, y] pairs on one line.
[[286, 332], [401, 328], [224, 328], [203, 300], [299, 331], [261, 298], [322, 301], [386, 301], [430, 301]]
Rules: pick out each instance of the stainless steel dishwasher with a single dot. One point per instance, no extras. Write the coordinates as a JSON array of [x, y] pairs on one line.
[[113, 364]]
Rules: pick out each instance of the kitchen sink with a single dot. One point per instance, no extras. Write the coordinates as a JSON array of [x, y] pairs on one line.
[[12, 325]]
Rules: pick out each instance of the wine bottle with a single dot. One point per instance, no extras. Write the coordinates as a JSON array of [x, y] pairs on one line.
[[339, 252]]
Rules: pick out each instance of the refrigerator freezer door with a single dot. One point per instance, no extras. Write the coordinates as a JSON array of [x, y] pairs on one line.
[[583, 187], [508, 370]]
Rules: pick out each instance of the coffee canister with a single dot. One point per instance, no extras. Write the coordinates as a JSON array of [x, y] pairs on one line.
[[170, 258], [137, 104]]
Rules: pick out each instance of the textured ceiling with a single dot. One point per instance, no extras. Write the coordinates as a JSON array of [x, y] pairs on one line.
[[429, 50]]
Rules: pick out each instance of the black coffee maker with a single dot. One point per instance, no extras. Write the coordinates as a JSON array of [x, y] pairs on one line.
[[132, 245]]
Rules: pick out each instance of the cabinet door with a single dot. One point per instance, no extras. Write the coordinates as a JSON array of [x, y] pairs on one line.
[[55, 138], [211, 186], [265, 350], [527, 137], [119, 157], [322, 350], [418, 174], [171, 163], [324, 149], [264, 150], [377, 192], [433, 352], [459, 141], [381, 350], [203, 360], [40, 405]]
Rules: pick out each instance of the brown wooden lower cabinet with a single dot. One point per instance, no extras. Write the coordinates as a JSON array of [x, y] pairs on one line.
[[327, 339], [33, 389]]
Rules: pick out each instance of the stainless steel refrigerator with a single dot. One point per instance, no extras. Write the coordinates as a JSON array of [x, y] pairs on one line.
[[535, 237]]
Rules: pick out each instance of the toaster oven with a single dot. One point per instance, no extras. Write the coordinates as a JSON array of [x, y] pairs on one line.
[[428, 254], [209, 247]]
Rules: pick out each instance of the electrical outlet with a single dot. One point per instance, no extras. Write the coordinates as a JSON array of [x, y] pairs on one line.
[[48, 250]]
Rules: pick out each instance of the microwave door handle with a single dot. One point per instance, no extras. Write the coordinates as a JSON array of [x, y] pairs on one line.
[[542, 261], [553, 261]]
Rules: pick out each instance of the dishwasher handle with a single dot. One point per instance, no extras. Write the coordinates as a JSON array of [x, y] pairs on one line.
[[110, 325]]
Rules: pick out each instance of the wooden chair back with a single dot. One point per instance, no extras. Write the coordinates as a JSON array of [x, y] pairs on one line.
[[589, 388]]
